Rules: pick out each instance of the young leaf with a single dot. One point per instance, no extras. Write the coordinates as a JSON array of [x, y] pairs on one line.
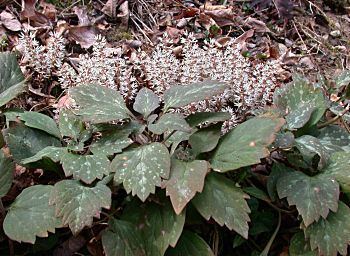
[[12, 82], [77, 204], [339, 169], [85, 167], [207, 117], [300, 247], [30, 215], [159, 225], [180, 96], [122, 238], [141, 169], [225, 203], [98, 104], [69, 124], [111, 142], [206, 139], [40, 121], [190, 244], [7, 168], [170, 122], [313, 196], [146, 102], [301, 102], [25, 142], [246, 144], [186, 178], [331, 235]]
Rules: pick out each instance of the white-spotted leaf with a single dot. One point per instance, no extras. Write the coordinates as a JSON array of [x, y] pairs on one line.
[[170, 122], [146, 102], [7, 168]]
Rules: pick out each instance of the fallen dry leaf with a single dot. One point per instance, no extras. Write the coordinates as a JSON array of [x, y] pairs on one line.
[[10, 21], [29, 12], [222, 17], [257, 25]]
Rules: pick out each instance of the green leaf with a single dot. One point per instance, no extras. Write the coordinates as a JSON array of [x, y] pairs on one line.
[[7, 168], [334, 138], [77, 204], [25, 142], [186, 178], [69, 124], [142, 168], [159, 225], [54, 153], [284, 140], [225, 203], [246, 144], [111, 142], [206, 139], [331, 235], [310, 146], [343, 79], [12, 81], [257, 193], [30, 215], [313, 196], [122, 239], [40, 121], [339, 169], [207, 117], [180, 96], [190, 244], [146, 102], [98, 104], [278, 170], [85, 167], [170, 122], [301, 102], [299, 246]]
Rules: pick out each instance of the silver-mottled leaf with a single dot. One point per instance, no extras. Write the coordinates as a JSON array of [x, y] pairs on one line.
[[207, 117], [7, 168], [70, 125], [342, 79], [299, 246], [54, 153], [146, 101], [170, 122], [334, 138]]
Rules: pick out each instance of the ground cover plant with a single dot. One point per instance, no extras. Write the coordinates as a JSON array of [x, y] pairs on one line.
[[206, 150]]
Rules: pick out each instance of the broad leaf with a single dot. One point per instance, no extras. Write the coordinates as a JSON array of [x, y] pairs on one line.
[[98, 104], [7, 168], [159, 225], [54, 153], [30, 215], [180, 96], [170, 122], [278, 170], [41, 122], [186, 178], [313, 196], [300, 247], [310, 146], [77, 204], [12, 82], [69, 124], [206, 139], [25, 142], [331, 235], [225, 203], [207, 117], [141, 169], [301, 102], [246, 144], [111, 142], [146, 102], [85, 167], [339, 169], [190, 244], [343, 79], [122, 238], [334, 138]]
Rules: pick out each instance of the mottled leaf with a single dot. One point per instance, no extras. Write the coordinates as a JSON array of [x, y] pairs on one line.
[[313, 196], [159, 225], [12, 82], [225, 203], [246, 144], [122, 238], [146, 101], [206, 139], [30, 215], [284, 140], [278, 170], [190, 244], [331, 235], [98, 104], [300, 247], [77, 204], [7, 168], [343, 79], [301, 102], [207, 117], [41, 122], [186, 178], [54, 153], [85, 167], [334, 138], [25, 142], [141, 169], [180, 96], [69, 124], [170, 122]]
